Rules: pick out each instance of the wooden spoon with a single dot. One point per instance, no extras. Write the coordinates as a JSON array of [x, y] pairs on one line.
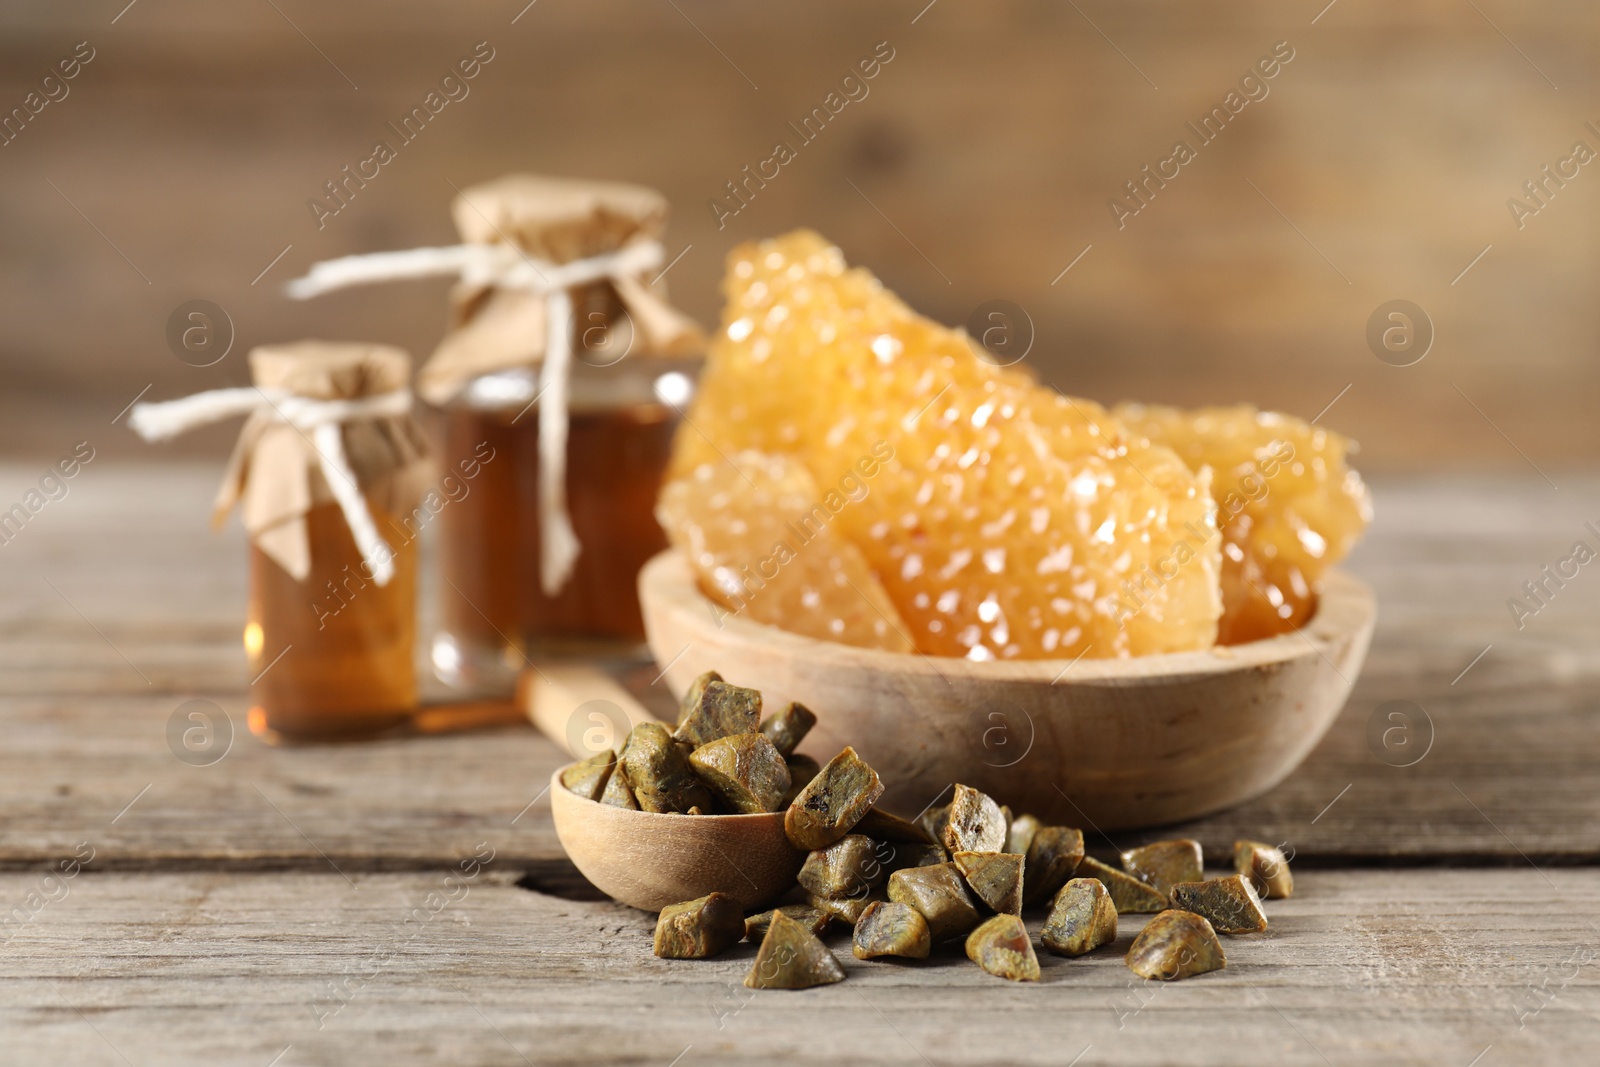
[[640, 858]]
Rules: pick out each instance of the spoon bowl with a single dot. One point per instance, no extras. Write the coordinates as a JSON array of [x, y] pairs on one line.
[[649, 860], [1101, 744]]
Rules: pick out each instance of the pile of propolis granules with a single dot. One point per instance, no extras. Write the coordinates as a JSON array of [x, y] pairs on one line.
[[965, 870]]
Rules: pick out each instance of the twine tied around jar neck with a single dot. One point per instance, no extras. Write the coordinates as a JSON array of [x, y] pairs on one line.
[[507, 267], [321, 419]]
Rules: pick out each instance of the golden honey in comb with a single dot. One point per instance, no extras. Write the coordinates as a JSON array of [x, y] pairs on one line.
[[765, 545], [1288, 505], [1011, 519]]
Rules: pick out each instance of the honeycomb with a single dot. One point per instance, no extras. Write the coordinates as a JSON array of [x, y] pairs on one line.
[[1004, 520], [1288, 506], [750, 528]]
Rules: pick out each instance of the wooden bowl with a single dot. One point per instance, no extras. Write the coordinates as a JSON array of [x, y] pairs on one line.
[[1098, 744], [649, 861]]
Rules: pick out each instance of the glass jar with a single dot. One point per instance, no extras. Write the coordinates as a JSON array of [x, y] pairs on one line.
[[494, 613], [331, 657]]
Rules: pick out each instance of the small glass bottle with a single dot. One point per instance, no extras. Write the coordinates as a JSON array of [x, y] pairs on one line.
[[328, 474], [494, 613], [630, 361], [332, 655]]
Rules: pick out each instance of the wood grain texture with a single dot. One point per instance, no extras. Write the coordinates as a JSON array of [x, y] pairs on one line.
[[982, 163], [206, 968], [125, 560]]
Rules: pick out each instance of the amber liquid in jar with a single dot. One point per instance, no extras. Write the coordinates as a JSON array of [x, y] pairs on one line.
[[493, 609], [332, 656]]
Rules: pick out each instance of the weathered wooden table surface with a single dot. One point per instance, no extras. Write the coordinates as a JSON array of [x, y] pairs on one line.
[[289, 907]]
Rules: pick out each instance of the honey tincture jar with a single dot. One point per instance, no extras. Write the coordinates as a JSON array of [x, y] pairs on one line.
[[494, 607], [328, 471], [572, 379], [561, 380]]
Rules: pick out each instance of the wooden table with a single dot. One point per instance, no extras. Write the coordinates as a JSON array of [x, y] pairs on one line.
[[289, 906]]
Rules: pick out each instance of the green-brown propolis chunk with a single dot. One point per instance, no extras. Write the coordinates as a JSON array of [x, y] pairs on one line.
[[881, 825], [696, 690], [850, 867], [941, 895], [1229, 904], [996, 878], [1019, 835], [1127, 892], [1163, 864], [1053, 856], [1173, 945], [1082, 918], [721, 710], [832, 803], [1266, 867], [1002, 947], [698, 929], [903, 854], [659, 772], [787, 728], [744, 771], [588, 778], [791, 957], [814, 919], [845, 909], [975, 823], [801, 770], [889, 928], [618, 793]]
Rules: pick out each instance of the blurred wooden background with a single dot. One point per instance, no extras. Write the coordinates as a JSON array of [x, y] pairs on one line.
[[977, 168]]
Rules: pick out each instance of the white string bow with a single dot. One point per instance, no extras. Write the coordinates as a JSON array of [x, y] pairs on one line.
[[322, 419], [505, 266]]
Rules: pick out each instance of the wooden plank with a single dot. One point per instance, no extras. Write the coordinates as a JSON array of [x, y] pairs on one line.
[[1000, 175], [204, 968], [85, 734]]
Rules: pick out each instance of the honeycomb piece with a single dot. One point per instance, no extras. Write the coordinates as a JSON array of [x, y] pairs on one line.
[[1001, 516], [762, 542], [1288, 506]]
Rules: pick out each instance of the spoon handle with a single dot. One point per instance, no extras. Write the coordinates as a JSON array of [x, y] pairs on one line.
[[554, 697]]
